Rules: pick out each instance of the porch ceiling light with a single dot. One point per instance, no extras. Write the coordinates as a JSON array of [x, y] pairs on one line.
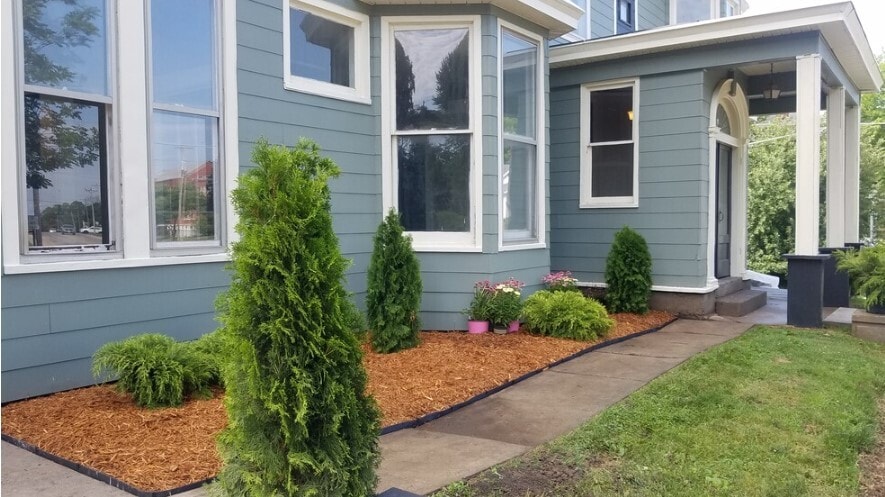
[[772, 92]]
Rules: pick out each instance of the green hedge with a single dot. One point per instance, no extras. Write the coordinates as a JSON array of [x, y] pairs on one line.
[[565, 315]]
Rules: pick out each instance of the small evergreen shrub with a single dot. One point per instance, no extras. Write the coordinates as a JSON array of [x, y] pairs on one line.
[[628, 273], [565, 315], [211, 347], [300, 421], [354, 320], [155, 369], [393, 299]]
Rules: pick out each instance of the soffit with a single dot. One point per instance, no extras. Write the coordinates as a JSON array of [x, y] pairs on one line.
[[838, 24], [557, 16]]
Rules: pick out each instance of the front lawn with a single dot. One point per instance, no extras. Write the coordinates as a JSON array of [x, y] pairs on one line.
[[775, 412]]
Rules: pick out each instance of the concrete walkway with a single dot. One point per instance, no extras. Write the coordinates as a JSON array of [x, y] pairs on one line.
[[474, 438]]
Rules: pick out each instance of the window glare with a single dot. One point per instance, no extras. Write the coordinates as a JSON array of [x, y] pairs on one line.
[[693, 10], [321, 49]]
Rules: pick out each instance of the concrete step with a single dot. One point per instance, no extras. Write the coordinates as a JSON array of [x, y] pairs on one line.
[[730, 285], [740, 303]]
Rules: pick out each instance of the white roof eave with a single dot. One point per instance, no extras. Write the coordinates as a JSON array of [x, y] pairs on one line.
[[837, 22]]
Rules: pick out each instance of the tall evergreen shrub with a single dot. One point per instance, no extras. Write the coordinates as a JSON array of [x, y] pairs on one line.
[[300, 422], [628, 273], [393, 299]]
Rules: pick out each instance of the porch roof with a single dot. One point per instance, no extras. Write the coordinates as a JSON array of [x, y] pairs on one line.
[[838, 23]]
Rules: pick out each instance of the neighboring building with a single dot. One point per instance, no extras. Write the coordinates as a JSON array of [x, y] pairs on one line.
[[458, 115]]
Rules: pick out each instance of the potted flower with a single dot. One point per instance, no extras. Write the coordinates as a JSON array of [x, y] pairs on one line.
[[478, 310], [561, 281], [506, 306], [866, 268]]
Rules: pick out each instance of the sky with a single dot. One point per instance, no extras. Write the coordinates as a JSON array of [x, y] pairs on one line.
[[871, 13]]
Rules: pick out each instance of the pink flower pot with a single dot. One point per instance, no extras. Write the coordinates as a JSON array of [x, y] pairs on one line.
[[477, 327], [514, 326]]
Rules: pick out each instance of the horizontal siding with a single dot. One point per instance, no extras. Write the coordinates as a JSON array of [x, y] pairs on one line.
[[602, 20], [52, 323], [652, 13], [672, 212]]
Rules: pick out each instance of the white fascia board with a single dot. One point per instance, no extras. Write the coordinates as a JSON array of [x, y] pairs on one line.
[[837, 22], [557, 16]]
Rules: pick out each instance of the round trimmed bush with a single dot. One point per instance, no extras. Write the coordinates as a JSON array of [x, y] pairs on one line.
[[628, 273], [565, 315]]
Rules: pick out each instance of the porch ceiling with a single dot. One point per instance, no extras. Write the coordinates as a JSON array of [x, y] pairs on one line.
[[838, 24]]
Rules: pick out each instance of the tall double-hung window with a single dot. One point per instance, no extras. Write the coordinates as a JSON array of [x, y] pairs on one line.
[[185, 152], [67, 107], [431, 172], [610, 146], [521, 130]]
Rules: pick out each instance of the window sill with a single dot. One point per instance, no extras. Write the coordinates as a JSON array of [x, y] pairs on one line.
[[596, 204], [522, 246], [447, 248], [72, 265], [328, 90]]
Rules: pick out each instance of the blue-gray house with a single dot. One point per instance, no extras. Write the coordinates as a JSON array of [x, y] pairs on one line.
[[514, 136]]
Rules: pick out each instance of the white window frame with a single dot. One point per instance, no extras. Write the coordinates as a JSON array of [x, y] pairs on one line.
[[540, 208], [587, 201], [427, 241], [359, 92], [129, 197], [617, 14], [185, 247]]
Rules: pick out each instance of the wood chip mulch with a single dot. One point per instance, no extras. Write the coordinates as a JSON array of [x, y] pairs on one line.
[[162, 449]]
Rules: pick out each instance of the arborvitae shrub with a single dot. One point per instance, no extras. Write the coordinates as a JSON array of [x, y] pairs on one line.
[[155, 369], [300, 422], [565, 314], [393, 299], [628, 273]]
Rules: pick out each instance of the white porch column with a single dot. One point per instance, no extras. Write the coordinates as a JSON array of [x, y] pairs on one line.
[[836, 192], [852, 174], [808, 88]]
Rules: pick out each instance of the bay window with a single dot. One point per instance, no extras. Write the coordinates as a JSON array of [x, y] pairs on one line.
[[430, 150], [521, 179], [609, 132]]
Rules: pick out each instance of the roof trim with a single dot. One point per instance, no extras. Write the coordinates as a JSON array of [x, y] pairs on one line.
[[557, 16], [838, 23]]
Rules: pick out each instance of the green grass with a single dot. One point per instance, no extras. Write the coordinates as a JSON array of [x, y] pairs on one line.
[[776, 412]]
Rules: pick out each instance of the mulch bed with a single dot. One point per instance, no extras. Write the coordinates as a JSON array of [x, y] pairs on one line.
[[167, 448]]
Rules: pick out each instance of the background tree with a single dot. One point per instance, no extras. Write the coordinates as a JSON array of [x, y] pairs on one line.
[[872, 163], [393, 299], [300, 422]]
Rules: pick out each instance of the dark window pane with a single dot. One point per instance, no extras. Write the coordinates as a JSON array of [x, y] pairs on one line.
[[183, 52], [321, 49], [611, 113], [65, 44], [518, 179], [434, 182], [625, 11], [612, 174], [520, 82], [184, 158], [66, 188], [722, 121], [432, 72]]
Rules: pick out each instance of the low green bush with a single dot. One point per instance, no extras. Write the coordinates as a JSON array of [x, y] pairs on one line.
[[628, 273], [155, 369], [565, 315], [211, 346]]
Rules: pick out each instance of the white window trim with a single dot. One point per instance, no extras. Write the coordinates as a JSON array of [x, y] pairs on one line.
[[424, 241], [359, 92], [586, 180], [128, 144], [539, 240]]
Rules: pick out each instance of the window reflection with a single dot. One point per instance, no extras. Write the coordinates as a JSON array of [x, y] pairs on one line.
[[183, 53], [432, 79], [321, 49], [434, 180]]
